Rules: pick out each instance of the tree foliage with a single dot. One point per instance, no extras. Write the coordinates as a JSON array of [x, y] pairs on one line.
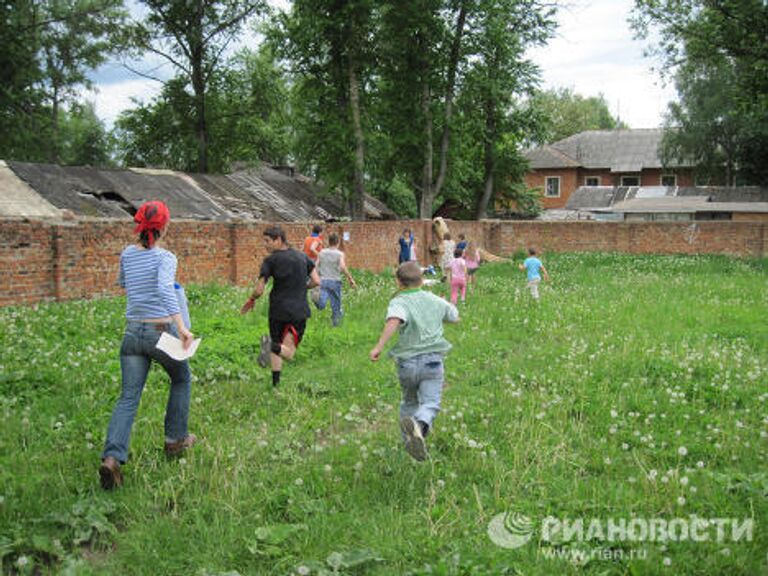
[[718, 54], [192, 35], [327, 44], [49, 47], [565, 113], [247, 119]]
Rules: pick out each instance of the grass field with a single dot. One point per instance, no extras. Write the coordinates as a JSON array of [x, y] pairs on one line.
[[636, 389]]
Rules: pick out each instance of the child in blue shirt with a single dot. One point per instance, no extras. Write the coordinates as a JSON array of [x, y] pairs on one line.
[[534, 269]]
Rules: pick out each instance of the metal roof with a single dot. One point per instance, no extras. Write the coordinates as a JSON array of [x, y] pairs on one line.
[[17, 199], [683, 205], [599, 197], [253, 194], [617, 150]]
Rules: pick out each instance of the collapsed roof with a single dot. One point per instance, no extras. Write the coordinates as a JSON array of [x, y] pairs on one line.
[[263, 193]]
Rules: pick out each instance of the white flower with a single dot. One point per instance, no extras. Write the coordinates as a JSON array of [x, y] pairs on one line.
[[624, 446], [327, 468], [303, 570], [667, 561], [614, 414], [298, 481], [700, 464], [681, 500], [682, 451], [22, 561], [684, 480]]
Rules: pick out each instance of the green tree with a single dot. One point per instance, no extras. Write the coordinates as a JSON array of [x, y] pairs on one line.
[[48, 48], [327, 43], [720, 46], [247, 119], [500, 77], [192, 35], [84, 138], [704, 127], [419, 68], [566, 113]]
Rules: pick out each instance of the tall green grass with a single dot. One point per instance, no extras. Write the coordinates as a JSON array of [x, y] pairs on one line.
[[637, 387]]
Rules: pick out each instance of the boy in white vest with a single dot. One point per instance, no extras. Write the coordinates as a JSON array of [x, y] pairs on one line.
[[330, 266]]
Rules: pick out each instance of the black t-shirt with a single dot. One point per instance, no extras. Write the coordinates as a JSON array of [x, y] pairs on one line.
[[289, 270]]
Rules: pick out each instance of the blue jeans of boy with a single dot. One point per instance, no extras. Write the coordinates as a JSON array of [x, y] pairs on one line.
[[331, 290], [136, 355], [421, 382]]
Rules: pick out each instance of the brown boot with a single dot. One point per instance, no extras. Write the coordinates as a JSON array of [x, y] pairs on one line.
[[176, 448], [110, 474]]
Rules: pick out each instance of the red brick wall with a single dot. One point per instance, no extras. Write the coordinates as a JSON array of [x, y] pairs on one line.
[[44, 261]]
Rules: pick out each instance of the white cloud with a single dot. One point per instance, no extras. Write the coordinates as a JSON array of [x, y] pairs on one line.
[[594, 53], [111, 99]]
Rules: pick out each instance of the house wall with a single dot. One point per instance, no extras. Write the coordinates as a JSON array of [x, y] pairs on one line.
[[63, 261], [572, 178], [568, 183], [749, 217]]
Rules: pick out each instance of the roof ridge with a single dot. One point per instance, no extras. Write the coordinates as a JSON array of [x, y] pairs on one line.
[[562, 154]]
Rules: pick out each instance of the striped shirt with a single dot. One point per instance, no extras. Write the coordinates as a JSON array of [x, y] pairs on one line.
[[148, 278]]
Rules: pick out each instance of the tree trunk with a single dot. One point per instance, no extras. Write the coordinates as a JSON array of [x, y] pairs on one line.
[[452, 66], [197, 52], [54, 142], [357, 200], [489, 160], [427, 190], [201, 126]]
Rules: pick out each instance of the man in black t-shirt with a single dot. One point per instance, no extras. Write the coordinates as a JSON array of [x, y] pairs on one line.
[[288, 307]]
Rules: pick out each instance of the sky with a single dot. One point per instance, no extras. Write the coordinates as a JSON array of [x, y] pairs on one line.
[[593, 52]]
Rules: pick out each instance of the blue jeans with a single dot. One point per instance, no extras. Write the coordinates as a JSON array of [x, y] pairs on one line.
[[421, 382], [136, 354], [331, 289]]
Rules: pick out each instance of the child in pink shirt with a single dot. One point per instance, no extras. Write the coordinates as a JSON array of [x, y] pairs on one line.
[[472, 258], [457, 275]]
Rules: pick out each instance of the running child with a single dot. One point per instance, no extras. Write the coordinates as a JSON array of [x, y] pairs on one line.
[[418, 315]]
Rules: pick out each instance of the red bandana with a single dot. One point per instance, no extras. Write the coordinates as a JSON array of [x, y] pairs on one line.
[[152, 215]]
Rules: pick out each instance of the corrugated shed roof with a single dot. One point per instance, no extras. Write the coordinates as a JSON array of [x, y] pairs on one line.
[[287, 198], [17, 199], [727, 193], [596, 197], [617, 150], [668, 204], [253, 194]]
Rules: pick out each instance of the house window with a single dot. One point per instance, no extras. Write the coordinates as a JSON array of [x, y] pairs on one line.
[[668, 180], [630, 181], [552, 189], [592, 181]]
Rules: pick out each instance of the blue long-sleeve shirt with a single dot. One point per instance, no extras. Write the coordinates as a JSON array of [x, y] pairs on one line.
[[148, 276]]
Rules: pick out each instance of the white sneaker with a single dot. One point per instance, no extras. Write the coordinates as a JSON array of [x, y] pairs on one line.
[[314, 294], [414, 440], [266, 349]]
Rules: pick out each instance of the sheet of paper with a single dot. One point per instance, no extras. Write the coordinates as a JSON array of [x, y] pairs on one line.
[[172, 346]]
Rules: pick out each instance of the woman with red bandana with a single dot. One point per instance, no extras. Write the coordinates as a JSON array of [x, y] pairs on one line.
[[147, 272]]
